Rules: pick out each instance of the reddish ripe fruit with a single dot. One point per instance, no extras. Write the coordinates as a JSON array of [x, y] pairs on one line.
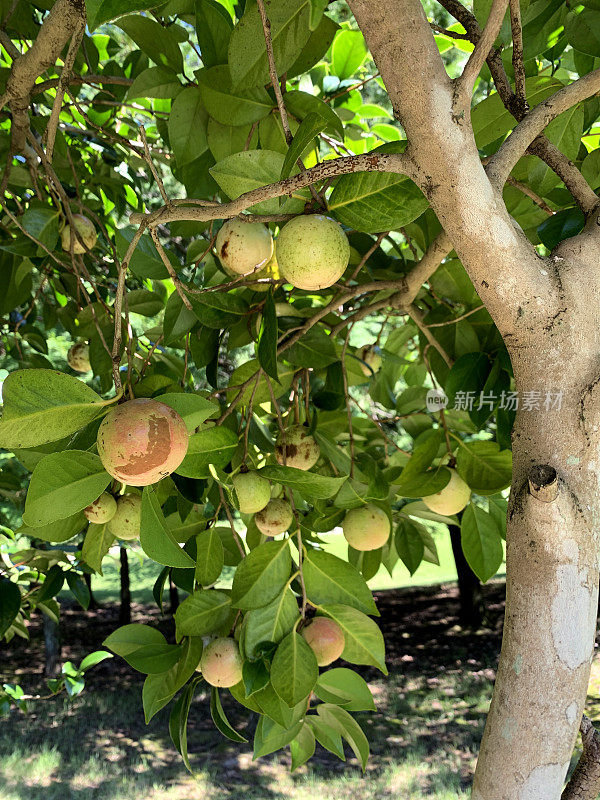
[[142, 441], [221, 663], [326, 640]]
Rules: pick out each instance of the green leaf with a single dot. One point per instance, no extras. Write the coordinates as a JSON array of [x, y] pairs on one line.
[[41, 405], [364, 641], [301, 104], [98, 541], [251, 169], [203, 612], [270, 623], [326, 736], [215, 445], [294, 670], [63, 484], [262, 394], [178, 720], [42, 223], [210, 557], [79, 589], [562, 225], [374, 202], [157, 41], [289, 33], [229, 106], [192, 408], [187, 126], [261, 575], [140, 301], [213, 26], [267, 338], [339, 719], [10, 604], [60, 531], [220, 720], [346, 688], [302, 747], [310, 127], [218, 309], [160, 688], [178, 320], [315, 350], [491, 120], [311, 485], [409, 544], [270, 736], [481, 542], [485, 467], [156, 539], [347, 53], [101, 11], [129, 638], [159, 82], [583, 31], [329, 579]]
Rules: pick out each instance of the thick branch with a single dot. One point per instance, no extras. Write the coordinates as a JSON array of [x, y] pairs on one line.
[[535, 122], [585, 780], [62, 22], [478, 57], [201, 212]]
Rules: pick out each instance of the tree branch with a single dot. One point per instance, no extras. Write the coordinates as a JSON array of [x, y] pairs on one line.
[[517, 54], [585, 780], [531, 126], [201, 212], [478, 57], [58, 27]]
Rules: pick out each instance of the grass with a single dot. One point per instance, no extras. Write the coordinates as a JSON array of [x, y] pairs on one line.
[[144, 572], [99, 748]]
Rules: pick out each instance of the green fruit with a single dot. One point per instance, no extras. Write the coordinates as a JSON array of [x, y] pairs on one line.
[[78, 357], [326, 639], [127, 519], [221, 663], [372, 360], [253, 491], [275, 518], [295, 447], [452, 498], [85, 228], [312, 252], [367, 527], [102, 509], [243, 247]]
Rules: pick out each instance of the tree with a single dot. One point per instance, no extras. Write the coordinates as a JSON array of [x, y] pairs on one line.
[[470, 208]]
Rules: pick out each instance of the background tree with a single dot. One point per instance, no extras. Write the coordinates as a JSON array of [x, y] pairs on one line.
[[461, 163]]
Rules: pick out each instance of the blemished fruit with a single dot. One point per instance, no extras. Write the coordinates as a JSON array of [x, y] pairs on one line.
[[326, 639], [366, 528], [102, 509], [452, 498], [87, 231], [275, 518], [126, 521], [221, 663], [295, 447], [312, 252], [372, 360], [142, 441], [253, 491], [78, 357], [244, 246]]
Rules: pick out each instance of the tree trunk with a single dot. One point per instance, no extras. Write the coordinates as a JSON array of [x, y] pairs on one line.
[[470, 613], [173, 597], [125, 607], [88, 582], [52, 648], [552, 584]]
